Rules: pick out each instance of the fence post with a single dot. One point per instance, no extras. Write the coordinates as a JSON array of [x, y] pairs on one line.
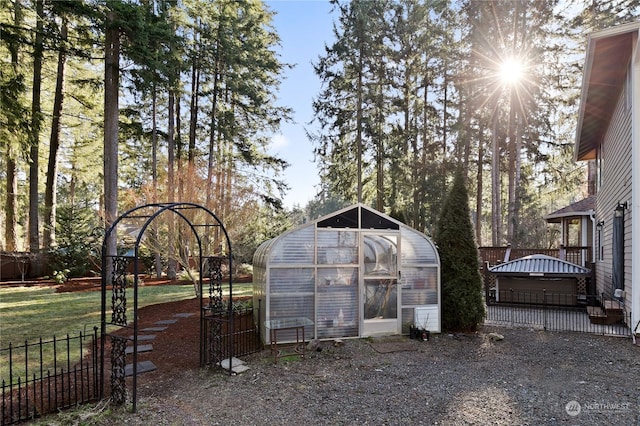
[[544, 309], [97, 375], [511, 311], [26, 374], [258, 322]]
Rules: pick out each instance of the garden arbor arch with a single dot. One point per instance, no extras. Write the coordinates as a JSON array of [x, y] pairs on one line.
[[199, 234]]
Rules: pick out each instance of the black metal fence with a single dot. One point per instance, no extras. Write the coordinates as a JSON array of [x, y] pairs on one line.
[[558, 312], [246, 334], [46, 376], [243, 339]]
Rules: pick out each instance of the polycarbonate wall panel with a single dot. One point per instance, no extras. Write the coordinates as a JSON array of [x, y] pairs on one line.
[[337, 247], [297, 247], [291, 280], [416, 247], [259, 282], [292, 306], [260, 256], [337, 302], [291, 294], [407, 319], [419, 286], [259, 294]]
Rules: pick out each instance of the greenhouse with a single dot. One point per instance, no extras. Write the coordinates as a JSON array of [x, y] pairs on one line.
[[353, 273]]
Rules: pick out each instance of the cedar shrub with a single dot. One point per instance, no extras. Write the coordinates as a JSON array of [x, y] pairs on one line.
[[462, 304]]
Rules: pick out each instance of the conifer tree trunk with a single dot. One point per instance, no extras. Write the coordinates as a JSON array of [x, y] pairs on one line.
[[34, 151], [496, 189], [111, 110], [479, 186], [11, 223], [171, 266], [54, 144]]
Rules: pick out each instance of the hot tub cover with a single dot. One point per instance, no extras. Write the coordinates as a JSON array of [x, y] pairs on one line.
[[539, 265]]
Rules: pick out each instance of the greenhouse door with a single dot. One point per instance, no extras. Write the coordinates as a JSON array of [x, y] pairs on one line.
[[380, 283]]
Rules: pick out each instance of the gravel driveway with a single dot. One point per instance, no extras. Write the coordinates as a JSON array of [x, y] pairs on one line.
[[530, 377]]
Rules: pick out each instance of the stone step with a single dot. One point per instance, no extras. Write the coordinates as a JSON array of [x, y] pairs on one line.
[[234, 364], [154, 329], [144, 337], [143, 367], [141, 348], [184, 315]]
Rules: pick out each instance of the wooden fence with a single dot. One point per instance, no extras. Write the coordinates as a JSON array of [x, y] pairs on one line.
[[495, 255]]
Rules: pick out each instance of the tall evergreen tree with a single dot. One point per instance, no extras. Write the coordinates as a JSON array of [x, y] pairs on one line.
[[54, 141], [13, 125], [349, 108], [111, 112], [34, 134], [462, 304]]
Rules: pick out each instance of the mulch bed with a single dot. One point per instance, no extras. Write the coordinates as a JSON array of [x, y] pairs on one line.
[[175, 349]]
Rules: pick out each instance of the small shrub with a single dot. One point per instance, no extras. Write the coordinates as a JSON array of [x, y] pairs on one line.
[[78, 240], [61, 277]]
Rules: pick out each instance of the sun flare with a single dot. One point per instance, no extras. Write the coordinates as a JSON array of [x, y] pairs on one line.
[[511, 71]]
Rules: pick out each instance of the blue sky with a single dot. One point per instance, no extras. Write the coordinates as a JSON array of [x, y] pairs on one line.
[[304, 26]]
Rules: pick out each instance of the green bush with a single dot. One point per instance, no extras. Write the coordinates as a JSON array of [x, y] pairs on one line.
[[60, 277], [78, 239], [462, 304]]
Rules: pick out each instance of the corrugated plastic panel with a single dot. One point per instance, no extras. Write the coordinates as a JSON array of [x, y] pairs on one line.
[[260, 256], [416, 247], [419, 286], [337, 247], [337, 302], [288, 306], [296, 247], [291, 280]]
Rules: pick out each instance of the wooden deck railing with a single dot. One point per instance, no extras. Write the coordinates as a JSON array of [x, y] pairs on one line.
[[496, 255]]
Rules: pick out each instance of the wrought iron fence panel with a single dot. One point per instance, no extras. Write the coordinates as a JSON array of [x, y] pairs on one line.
[[554, 312], [226, 341], [47, 376]]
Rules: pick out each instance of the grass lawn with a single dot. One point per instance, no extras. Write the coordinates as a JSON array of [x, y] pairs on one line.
[[28, 313]]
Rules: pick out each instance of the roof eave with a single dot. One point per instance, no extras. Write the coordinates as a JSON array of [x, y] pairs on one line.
[[551, 217], [577, 154], [586, 142]]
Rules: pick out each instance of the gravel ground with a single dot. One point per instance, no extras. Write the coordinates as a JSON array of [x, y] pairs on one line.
[[530, 377]]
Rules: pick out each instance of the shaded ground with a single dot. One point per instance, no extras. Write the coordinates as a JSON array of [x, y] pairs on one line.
[[530, 377]]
